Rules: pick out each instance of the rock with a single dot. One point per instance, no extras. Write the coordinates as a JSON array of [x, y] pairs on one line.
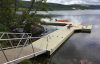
[[37, 30]]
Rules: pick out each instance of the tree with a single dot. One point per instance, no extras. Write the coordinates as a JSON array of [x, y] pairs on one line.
[[11, 20], [5, 12]]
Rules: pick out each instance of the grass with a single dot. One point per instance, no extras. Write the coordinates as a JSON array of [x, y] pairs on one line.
[[27, 61]]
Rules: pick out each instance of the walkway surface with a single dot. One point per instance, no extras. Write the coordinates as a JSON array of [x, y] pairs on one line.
[[17, 54], [52, 41]]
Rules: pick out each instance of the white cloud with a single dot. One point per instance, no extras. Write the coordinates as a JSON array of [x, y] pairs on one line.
[[26, 0], [67, 2], [95, 2]]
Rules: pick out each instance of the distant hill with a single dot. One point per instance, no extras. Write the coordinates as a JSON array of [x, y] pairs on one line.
[[24, 4], [54, 6]]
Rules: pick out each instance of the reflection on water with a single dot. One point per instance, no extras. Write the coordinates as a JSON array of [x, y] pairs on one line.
[[81, 48]]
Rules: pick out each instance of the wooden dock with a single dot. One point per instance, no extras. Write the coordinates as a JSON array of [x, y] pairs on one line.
[[49, 43]]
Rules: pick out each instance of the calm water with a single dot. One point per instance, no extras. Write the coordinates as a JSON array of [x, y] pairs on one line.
[[81, 47]]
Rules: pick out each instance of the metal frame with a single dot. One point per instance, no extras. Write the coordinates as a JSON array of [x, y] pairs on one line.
[[25, 57], [24, 36]]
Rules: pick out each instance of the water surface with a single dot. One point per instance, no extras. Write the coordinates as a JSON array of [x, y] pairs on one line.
[[81, 47]]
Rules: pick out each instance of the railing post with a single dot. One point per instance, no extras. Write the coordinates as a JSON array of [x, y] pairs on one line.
[[10, 41], [4, 53], [47, 43], [20, 40], [31, 44], [2, 35]]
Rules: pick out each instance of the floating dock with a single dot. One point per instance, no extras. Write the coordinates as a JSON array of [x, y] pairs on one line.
[[49, 43], [53, 40]]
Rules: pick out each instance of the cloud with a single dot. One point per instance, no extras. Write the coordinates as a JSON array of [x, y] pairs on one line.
[[66, 2], [26, 0]]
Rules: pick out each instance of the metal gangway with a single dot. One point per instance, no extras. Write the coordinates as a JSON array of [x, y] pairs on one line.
[[15, 47]]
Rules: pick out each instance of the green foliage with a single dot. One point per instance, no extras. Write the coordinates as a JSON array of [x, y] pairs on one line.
[[11, 20], [5, 12], [26, 62], [39, 6], [3, 28]]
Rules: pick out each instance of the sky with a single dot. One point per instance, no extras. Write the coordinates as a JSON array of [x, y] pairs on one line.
[[68, 2]]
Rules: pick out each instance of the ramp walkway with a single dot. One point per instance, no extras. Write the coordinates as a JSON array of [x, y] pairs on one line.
[[15, 47]]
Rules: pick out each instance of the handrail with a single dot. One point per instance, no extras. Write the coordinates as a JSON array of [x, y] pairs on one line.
[[18, 38], [13, 33]]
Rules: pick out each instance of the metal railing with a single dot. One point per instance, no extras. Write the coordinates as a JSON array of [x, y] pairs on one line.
[[14, 41]]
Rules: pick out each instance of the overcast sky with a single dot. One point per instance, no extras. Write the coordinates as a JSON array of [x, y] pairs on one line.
[[67, 2]]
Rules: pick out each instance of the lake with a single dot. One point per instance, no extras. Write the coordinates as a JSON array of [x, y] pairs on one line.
[[81, 47]]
